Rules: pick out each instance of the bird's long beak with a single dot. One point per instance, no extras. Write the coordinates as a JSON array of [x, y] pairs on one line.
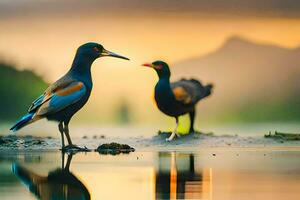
[[112, 54], [148, 65]]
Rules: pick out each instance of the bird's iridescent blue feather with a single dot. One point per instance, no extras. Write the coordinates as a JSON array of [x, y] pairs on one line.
[[51, 102], [22, 122], [38, 102], [63, 98]]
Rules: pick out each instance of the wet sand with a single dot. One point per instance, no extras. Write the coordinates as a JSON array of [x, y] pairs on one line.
[[191, 142]]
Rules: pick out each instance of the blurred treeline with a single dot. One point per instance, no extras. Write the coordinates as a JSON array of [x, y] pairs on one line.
[[17, 90]]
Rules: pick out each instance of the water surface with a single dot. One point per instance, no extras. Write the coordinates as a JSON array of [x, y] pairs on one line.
[[207, 174]]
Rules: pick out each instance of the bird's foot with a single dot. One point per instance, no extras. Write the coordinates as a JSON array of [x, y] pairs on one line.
[[169, 139], [74, 148]]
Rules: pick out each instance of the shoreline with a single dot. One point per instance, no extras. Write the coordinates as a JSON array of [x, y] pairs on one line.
[[192, 142]]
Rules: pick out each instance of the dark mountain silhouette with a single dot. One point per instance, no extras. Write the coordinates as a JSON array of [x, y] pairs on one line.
[[18, 89], [254, 81]]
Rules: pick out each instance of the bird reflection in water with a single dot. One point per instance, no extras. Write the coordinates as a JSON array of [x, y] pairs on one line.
[[177, 178], [60, 184]]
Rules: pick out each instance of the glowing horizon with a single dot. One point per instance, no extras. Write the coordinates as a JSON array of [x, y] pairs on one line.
[[45, 42]]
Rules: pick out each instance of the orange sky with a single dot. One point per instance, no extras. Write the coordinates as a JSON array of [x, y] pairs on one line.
[[47, 42]]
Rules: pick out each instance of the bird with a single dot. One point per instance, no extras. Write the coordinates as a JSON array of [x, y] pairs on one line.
[[58, 184], [177, 98], [67, 95]]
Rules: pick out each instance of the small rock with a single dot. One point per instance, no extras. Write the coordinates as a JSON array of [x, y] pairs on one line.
[[114, 148]]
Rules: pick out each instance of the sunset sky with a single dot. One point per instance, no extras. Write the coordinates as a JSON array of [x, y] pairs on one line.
[[43, 36]]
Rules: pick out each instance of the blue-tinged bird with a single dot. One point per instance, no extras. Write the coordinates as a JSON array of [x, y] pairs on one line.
[[69, 94], [178, 98]]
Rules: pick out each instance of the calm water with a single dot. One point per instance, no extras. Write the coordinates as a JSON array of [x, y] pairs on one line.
[[213, 174]]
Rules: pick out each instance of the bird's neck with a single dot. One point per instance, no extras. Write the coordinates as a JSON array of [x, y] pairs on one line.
[[164, 80], [81, 67], [163, 84], [163, 92], [81, 70], [82, 64]]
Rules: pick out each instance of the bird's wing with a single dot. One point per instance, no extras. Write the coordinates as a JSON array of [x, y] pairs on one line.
[[58, 97], [62, 98], [187, 91], [61, 83]]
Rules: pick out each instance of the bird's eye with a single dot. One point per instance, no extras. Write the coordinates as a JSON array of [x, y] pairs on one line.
[[159, 67], [96, 49]]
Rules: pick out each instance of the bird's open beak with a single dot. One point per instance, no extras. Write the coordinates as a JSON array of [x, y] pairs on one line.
[[148, 65], [112, 54]]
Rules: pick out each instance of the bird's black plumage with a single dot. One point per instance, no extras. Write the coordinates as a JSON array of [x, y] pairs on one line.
[[177, 98]]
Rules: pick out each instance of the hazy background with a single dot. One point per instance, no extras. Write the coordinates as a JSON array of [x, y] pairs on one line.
[[248, 49]]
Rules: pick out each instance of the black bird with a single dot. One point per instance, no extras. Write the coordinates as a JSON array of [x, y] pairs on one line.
[[69, 94], [59, 184], [178, 98]]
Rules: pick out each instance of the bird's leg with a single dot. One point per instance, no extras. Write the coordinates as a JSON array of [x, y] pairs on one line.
[[67, 134], [192, 118], [71, 145], [68, 161], [71, 148], [174, 133], [62, 160], [177, 123], [61, 130]]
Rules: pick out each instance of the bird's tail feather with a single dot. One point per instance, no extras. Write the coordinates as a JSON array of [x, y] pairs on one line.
[[22, 122], [208, 89]]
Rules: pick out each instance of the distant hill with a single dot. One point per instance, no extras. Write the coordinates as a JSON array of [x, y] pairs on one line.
[[254, 82], [18, 89]]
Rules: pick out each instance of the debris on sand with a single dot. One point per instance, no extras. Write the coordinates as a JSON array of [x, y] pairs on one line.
[[114, 148], [75, 149], [14, 142], [102, 136], [168, 133], [283, 136], [182, 134]]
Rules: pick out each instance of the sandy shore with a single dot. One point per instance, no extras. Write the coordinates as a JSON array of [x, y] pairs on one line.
[[186, 142]]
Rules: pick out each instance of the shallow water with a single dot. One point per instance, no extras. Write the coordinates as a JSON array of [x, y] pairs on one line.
[[208, 174]]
